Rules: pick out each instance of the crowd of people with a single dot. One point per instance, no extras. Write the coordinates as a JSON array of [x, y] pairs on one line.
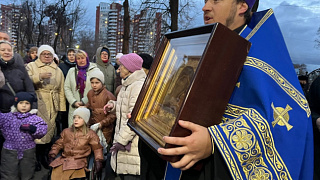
[[78, 107], [59, 107]]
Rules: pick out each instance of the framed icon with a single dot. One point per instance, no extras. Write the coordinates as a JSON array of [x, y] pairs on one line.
[[192, 78]]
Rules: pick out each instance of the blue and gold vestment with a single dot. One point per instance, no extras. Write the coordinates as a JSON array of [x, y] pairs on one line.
[[266, 131]]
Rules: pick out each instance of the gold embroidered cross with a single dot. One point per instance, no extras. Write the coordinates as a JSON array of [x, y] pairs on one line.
[[281, 116]]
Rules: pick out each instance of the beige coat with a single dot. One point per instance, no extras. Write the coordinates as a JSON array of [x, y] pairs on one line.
[[127, 162], [71, 91], [50, 94]]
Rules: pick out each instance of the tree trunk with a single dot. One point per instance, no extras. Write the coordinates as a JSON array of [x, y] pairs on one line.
[[126, 30], [174, 5], [56, 39]]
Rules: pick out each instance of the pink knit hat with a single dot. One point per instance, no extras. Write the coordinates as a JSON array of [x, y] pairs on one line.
[[131, 61]]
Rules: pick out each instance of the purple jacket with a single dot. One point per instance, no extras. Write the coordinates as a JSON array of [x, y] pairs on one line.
[[18, 140]]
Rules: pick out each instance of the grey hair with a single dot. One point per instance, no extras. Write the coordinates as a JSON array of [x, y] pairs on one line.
[[6, 42]]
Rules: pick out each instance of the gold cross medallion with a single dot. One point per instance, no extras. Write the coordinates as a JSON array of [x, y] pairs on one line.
[[281, 116]]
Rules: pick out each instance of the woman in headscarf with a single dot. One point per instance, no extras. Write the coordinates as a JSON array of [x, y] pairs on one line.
[[105, 66], [77, 85]]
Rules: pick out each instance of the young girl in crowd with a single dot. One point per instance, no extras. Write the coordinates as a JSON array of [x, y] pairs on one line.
[[20, 129], [101, 123], [77, 142], [98, 96]]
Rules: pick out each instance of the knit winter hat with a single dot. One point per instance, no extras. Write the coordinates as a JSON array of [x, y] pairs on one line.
[[24, 96], [147, 60], [97, 74], [119, 55], [106, 50], [45, 48], [83, 112], [132, 62]]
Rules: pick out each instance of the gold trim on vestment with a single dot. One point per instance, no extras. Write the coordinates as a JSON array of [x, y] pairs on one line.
[[261, 22], [281, 81], [246, 147]]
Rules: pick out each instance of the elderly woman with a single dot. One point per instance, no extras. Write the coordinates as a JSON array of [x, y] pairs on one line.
[[77, 85], [125, 160], [16, 76], [48, 81]]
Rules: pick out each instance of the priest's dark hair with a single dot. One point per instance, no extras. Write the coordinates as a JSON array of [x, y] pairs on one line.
[[247, 14]]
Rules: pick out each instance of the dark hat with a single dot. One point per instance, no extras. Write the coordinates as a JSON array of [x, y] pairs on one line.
[[24, 96], [303, 77], [250, 3], [70, 49], [147, 60], [106, 50]]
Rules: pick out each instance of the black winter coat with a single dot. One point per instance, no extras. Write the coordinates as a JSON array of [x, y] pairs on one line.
[[65, 66], [17, 76]]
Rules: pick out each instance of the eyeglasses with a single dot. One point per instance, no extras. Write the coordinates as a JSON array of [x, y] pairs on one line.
[[46, 54], [104, 54]]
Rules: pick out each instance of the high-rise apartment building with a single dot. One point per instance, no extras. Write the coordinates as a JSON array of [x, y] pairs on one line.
[[146, 32], [109, 27], [9, 21], [145, 29]]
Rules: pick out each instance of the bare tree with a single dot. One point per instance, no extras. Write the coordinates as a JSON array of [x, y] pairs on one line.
[[178, 11], [66, 15], [85, 41], [26, 25], [174, 6], [39, 15]]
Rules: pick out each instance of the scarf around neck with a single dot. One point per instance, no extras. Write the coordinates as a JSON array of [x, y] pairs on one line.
[[69, 63], [81, 77]]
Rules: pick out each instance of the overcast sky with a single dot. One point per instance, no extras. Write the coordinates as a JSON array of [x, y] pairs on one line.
[[299, 21]]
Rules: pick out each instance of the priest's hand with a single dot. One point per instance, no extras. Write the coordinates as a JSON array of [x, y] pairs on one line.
[[195, 147]]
